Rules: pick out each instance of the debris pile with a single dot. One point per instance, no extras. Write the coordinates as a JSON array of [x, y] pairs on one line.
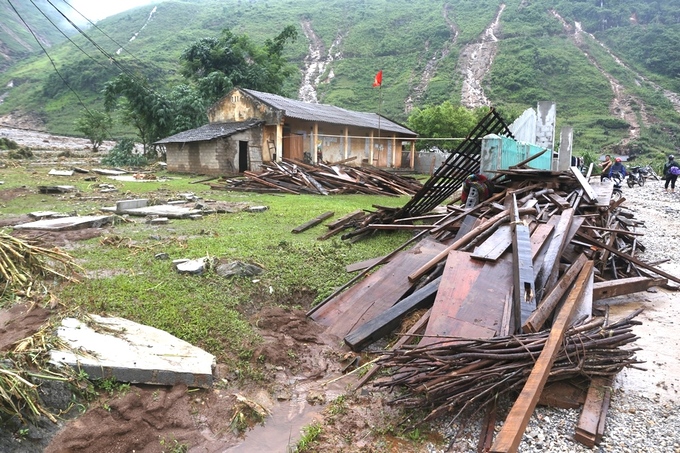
[[295, 177], [510, 284]]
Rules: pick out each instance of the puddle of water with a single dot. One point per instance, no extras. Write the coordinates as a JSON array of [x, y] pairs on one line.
[[283, 428]]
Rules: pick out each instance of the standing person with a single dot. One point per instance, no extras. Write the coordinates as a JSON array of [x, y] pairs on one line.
[[604, 172], [671, 170]]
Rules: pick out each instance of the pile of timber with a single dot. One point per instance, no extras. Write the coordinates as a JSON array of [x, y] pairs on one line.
[[519, 271], [295, 177]]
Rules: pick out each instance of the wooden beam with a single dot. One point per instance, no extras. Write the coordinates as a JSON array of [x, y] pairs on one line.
[[587, 189], [383, 324], [417, 327], [312, 223], [523, 269], [495, 245], [493, 222], [517, 420], [594, 413], [562, 225], [623, 286], [546, 307]]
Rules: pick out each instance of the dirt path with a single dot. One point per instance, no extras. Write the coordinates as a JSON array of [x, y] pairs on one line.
[[475, 62]]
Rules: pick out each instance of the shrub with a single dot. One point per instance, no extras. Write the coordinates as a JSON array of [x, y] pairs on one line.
[[123, 154]]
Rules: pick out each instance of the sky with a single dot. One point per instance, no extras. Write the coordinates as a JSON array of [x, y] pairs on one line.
[[99, 9]]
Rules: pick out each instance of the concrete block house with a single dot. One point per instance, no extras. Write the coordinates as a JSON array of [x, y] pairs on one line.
[[248, 128]]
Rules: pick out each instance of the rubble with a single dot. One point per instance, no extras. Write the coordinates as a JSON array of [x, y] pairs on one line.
[[506, 274]]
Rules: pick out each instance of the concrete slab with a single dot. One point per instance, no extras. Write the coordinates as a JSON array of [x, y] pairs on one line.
[[124, 205], [56, 189], [132, 352], [55, 172], [132, 178], [103, 171], [163, 210], [43, 214], [67, 223]]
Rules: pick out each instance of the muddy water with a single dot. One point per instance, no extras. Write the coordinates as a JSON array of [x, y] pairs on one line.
[[283, 428]]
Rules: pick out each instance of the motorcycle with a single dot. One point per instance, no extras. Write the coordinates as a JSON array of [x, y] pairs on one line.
[[636, 176], [650, 173]]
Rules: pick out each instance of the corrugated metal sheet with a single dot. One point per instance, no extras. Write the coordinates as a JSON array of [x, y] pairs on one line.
[[328, 113], [211, 131], [501, 153]]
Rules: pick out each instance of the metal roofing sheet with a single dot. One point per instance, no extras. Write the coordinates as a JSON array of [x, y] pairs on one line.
[[328, 113], [210, 131]]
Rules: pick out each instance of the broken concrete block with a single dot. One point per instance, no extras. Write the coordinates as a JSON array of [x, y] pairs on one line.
[[195, 216], [162, 256], [195, 267], [55, 172], [130, 352], [42, 214], [257, 208], [124, 205], [179, 261], [159, 221]]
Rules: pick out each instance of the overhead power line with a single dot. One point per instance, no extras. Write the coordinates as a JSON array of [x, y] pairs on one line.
[[49, 57]]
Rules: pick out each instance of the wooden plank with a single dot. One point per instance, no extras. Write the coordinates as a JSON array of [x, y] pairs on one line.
[[554, 251], [471, 298], [539, 238], [312, 223], [594, 412], [623, 286], [342, 220], [495, 245], [587, 189], [360, 265], [517, 420], [557, 200], [523, 269], [469, 222], [492, 222], [546, 306], [383, 324], [378, 292], [417, 327]]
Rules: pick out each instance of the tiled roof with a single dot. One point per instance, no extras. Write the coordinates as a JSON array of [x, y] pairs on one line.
[[328, 113], [211, 131]]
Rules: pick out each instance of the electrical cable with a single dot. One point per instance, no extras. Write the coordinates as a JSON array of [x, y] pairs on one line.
[[49, 57], [68, 38], [120, 46]]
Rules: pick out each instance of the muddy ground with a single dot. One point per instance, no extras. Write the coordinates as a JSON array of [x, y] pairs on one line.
[[303, 381]]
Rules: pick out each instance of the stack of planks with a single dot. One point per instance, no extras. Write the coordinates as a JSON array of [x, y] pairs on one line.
[[295, 177], [528, 263]]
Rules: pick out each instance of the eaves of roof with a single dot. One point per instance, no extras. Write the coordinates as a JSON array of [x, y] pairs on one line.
[[210, 131], [328, 113]]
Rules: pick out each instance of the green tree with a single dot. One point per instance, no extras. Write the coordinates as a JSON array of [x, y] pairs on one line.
[[95, 126], [216, 65], [443, 121], [150, 112], [212, 67]]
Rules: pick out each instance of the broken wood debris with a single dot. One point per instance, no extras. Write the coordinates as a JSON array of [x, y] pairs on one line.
[[574, 248], [295, 177]]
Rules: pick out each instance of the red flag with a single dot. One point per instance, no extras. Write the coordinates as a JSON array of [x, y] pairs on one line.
[[378, 79]]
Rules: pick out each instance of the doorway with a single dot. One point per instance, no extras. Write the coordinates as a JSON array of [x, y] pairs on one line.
[[242, 156]]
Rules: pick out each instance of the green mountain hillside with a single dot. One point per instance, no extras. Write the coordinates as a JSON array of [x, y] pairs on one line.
[[16, 41], [611, 66]]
